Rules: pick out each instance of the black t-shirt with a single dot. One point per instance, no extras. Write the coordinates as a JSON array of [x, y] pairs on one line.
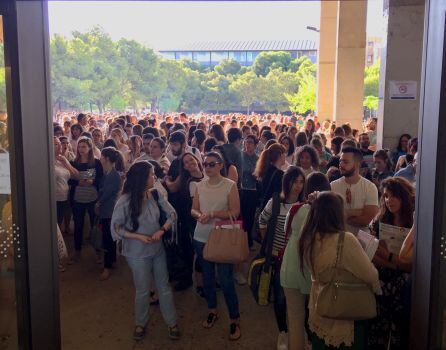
[[174, 169], [270, 184]]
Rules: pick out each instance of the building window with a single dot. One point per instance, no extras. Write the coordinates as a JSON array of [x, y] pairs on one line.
[[168, 55], [202, 57], [184, 54], [251, 56], [217, 56], [369, 58], [239, 56]]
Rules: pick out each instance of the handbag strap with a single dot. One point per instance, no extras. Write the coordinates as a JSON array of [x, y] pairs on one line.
[[267, 243], [339, 250]]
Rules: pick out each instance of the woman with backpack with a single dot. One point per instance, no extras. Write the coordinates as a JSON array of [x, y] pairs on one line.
[[272, 229]]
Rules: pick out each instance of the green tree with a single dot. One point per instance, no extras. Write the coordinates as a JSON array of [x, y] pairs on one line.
[[371, 86], [371, 79], [268, 60], [228, 67], [143, 81], [279, 84], [217, 93], [249, 88], [305, 98]]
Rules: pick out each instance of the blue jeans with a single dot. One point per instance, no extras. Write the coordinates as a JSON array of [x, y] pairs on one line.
[[142, 269], [226, 279]]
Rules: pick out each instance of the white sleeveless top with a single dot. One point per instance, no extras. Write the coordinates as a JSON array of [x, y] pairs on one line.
[[212, 198]]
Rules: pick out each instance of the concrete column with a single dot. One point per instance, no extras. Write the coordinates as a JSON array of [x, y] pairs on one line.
[[350, 62], [326, 59], [401, 61]]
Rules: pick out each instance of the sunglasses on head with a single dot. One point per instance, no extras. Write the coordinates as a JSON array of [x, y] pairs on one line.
[[210, 164]]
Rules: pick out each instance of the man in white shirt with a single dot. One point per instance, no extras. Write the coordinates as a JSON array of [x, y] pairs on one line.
[[360, 195]]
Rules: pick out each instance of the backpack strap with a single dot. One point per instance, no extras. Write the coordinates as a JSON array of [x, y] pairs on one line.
[[293, 211]]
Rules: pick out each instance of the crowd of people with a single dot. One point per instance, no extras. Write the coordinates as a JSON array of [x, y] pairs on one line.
[[157, 184]]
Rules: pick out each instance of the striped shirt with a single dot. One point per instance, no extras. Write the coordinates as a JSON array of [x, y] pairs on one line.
[[279, 233]]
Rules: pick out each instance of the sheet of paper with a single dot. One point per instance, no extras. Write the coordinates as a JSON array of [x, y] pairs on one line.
[[394, 236], [368, 242]]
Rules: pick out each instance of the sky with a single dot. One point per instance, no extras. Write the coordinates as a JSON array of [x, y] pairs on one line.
[[165, 24]]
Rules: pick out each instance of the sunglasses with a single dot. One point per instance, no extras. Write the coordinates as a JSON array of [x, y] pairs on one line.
[[210, 164]]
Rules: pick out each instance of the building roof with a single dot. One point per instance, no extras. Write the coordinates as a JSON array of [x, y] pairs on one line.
[[249, 45]]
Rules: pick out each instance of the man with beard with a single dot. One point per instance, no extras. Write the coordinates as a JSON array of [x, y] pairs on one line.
[[367, 153], [360, 195]]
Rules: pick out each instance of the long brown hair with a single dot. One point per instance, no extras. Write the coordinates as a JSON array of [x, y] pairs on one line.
[[326, 217], [404, 191], [267, 159], [90, 153]]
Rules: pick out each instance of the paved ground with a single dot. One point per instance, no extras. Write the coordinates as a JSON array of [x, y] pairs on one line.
[[99, 315]]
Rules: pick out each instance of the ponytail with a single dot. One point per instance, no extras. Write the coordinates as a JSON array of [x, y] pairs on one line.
[[115, 157]]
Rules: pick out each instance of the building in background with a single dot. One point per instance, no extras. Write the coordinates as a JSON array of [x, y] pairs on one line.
[[373, 50], [245, 52]]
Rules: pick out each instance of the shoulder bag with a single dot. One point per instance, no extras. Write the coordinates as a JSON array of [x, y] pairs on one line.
[[227, 245], [345, 297]]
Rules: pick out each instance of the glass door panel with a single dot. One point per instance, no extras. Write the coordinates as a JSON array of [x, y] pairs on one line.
[[9, 233]]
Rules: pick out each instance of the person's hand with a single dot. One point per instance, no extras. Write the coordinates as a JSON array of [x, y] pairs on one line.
[[382, 251], [144, 239], [312, 196], [204, 218], [331, 170], [157, 235], [323, 163], [63, 160]]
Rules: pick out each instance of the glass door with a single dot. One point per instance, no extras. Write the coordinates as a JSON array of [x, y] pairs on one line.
[[12, 252]]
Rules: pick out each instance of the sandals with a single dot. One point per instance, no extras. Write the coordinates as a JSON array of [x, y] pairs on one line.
[[234, 331], [210, 321], [139, 333], [174, 332]]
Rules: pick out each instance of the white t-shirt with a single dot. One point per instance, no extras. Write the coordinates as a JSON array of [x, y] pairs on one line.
[[62, 175], [363, 193], [212, 198]]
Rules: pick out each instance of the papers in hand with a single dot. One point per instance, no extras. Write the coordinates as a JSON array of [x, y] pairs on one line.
[[394, 237], [368, 242]]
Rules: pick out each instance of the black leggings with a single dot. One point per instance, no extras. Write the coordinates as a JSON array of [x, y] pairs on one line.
[[79, 210], [279, 298], [109, 244]]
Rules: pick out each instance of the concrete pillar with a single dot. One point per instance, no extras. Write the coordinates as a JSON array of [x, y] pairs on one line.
[[401, 61], [326, 59], [350, 62]]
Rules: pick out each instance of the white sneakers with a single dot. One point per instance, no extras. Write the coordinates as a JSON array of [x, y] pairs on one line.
[[282, 341], [240, 279]]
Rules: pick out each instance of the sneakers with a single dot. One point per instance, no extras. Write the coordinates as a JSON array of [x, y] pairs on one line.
[[282, 341], [234, 331], [139, 333], [240, 279], [174, 332]]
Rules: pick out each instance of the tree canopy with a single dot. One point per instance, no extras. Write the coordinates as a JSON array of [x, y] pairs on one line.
[[91, 71]]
